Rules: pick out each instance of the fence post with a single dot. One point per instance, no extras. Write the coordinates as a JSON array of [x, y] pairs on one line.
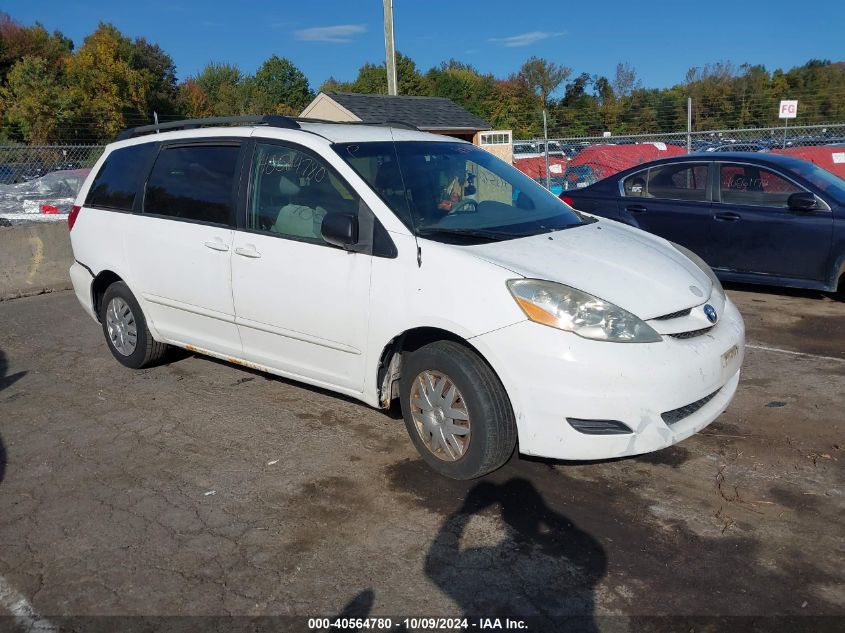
[[546, 151], [689, 125]]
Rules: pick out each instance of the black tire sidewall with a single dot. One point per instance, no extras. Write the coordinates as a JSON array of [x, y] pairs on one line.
[[479, 402], [137, 358]]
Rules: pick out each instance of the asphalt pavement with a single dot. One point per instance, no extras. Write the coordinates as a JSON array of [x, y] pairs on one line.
[[201, 488]]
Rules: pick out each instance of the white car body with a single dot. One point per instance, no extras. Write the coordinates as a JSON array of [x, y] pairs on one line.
[[326, 317]]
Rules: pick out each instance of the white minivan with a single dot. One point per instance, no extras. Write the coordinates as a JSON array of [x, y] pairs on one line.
[[382, 262]]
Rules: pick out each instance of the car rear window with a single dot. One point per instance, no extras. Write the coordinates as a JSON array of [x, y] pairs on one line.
[[194, 182], [119, 179], [673, 181]]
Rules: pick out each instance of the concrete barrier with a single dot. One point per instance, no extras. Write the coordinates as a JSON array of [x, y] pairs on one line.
[[34, 258]]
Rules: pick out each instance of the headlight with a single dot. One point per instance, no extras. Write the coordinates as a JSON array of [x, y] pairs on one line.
[[583, 314], [717, 285]]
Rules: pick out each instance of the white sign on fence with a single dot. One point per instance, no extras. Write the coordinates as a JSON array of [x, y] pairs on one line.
[[788, 109]]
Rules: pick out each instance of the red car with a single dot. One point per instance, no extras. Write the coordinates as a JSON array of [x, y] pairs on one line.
[[830, 158], [595, 162]]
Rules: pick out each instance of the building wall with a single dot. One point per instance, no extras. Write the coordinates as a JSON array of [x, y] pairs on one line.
[[502, 147], [326, 108]]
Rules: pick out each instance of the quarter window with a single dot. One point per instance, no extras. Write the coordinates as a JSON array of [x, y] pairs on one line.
[[753, 185], [669, 182], [292, 191], [119, 178]]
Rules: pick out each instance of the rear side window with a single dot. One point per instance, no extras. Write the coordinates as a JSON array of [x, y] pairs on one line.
[[194, 182], [683, 181], [120, 177]]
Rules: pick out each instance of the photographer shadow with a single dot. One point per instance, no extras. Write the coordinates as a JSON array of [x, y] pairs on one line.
[[6, 381], [544, 570]]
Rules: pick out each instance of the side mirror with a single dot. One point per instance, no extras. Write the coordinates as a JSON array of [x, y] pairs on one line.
[[802, 201], [340, 229]]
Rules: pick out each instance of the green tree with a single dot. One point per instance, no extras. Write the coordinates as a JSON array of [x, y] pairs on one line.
[[372, 79], [514, 106], [464, 85], [224, 87], [36, 104], [101, 77], [163, 92], [543, 77], [279, 85], [625, 80], [192, 100], [18, 41]]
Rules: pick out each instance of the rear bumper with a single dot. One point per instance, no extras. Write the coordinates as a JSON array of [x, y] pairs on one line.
[[81, 279], [552, 375]]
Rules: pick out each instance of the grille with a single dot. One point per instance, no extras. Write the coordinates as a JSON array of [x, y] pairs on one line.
[[676, 415], [691, 333], [674, 315]]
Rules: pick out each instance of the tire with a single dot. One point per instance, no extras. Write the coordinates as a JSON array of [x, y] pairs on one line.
[[146, 351], [488, 435]]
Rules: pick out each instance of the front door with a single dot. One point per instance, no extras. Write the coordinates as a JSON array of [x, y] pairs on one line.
[[302, 306], [670, 200], [754, 231]]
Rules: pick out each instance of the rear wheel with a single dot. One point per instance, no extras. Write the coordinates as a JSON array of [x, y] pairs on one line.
[[456, 410], [125, 329]]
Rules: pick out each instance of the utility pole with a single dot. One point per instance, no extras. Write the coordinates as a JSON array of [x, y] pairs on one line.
[[390, 47], [546, 151], [689, 125]]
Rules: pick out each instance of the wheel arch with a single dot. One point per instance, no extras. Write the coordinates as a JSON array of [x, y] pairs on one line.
[[99, 285], [389, 367]]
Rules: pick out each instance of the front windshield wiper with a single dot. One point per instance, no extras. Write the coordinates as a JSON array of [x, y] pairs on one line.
[[479, 233]]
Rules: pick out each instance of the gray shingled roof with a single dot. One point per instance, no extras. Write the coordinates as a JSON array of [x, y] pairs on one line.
[[427, 113]]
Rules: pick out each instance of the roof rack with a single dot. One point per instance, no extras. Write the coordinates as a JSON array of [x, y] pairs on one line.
[[388, 122], [273, 120]]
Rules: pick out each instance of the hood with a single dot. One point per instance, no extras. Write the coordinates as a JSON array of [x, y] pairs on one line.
[[628, 267]]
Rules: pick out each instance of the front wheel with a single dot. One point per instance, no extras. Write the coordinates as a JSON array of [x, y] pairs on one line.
[[456, 410]]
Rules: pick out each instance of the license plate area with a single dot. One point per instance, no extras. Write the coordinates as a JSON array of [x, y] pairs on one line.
[[729, 362]]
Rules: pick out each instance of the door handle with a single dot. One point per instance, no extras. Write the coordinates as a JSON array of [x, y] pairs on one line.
[[247, 252], [636, 208], [217, 245], [727, 217]]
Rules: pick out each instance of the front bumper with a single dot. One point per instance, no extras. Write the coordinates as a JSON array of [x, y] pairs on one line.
[[552, 375]]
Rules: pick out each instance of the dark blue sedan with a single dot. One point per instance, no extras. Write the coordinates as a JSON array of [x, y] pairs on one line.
[[757, 218]]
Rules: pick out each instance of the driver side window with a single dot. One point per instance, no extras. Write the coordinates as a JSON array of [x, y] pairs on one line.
[[291, 191]]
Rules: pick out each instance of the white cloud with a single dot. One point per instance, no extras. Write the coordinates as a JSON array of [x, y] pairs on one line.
[[340, 34], [524, 39]]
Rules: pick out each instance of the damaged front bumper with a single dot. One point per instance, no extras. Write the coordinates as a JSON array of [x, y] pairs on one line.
[[564, 388]]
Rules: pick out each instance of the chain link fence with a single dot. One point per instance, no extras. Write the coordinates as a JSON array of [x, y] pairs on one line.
[[739, 140], [38, 180], [21, 163], [578, 161], [40, 183]]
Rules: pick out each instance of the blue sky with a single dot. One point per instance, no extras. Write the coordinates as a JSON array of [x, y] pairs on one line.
[[660, 38]]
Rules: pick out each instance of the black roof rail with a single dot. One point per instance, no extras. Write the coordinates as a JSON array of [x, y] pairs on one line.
[[273, 120], [402, 124], [388, 122]]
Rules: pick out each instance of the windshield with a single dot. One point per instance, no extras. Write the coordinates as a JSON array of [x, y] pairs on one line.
[[443, 190], [830, 183]]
